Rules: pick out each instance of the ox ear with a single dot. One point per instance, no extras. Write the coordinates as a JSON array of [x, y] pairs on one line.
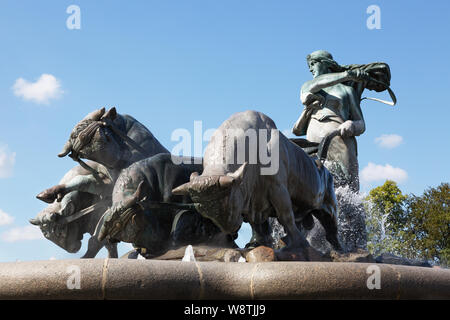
[[95, 115], [140, 192], [69, 209], [110, 114]]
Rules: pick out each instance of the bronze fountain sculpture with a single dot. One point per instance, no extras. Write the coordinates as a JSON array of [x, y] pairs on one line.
[[228, 192], [132, 189]]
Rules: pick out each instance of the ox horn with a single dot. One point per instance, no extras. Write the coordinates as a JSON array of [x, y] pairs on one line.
[[35, 222], [66, 149], [225, 181], [237, 176], [137, 195], [182, 190], [196, 183]]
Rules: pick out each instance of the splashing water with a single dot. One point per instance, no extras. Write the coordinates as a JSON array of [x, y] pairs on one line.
[[189, 254], [351, 224], [242, 259], [385, 245], [277, 232], [352, 232], [380, 238]]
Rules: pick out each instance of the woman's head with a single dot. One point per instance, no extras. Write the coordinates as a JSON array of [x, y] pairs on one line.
[[321, 62]]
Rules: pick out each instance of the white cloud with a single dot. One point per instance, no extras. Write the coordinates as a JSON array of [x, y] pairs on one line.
[[22, 234], [377, 172], [389, 141], [47, 87], [7, 161], [5, 218]]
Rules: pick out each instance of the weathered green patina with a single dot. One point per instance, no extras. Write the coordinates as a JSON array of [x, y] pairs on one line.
[[332, 102]]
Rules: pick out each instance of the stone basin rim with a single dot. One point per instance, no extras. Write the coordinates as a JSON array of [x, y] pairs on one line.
[[159, 279]]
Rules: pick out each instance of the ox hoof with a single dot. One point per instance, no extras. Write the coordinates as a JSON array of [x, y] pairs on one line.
[[133, 254], [251, 245]]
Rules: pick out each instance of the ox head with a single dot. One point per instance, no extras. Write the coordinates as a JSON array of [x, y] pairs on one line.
[[92, 139], [219, 198], [66, 236], [115, 226]]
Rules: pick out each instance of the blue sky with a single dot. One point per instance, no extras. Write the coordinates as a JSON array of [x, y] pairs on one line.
[[170, 63]]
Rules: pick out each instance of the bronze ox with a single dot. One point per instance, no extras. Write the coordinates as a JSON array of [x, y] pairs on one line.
[[110, 139], [229, 193], [113, 142], [145, 213], [55, 221]]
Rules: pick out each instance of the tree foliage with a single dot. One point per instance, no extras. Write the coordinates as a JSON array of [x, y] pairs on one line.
[[385, 219], [429, 223], [416, 227]]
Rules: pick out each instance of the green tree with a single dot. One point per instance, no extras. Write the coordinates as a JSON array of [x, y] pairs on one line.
[[428, 224], [386, 219]]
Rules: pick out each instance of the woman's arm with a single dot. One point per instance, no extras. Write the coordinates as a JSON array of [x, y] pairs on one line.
[[351, 128], [325, 80], [331, 79], [356, 125]]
